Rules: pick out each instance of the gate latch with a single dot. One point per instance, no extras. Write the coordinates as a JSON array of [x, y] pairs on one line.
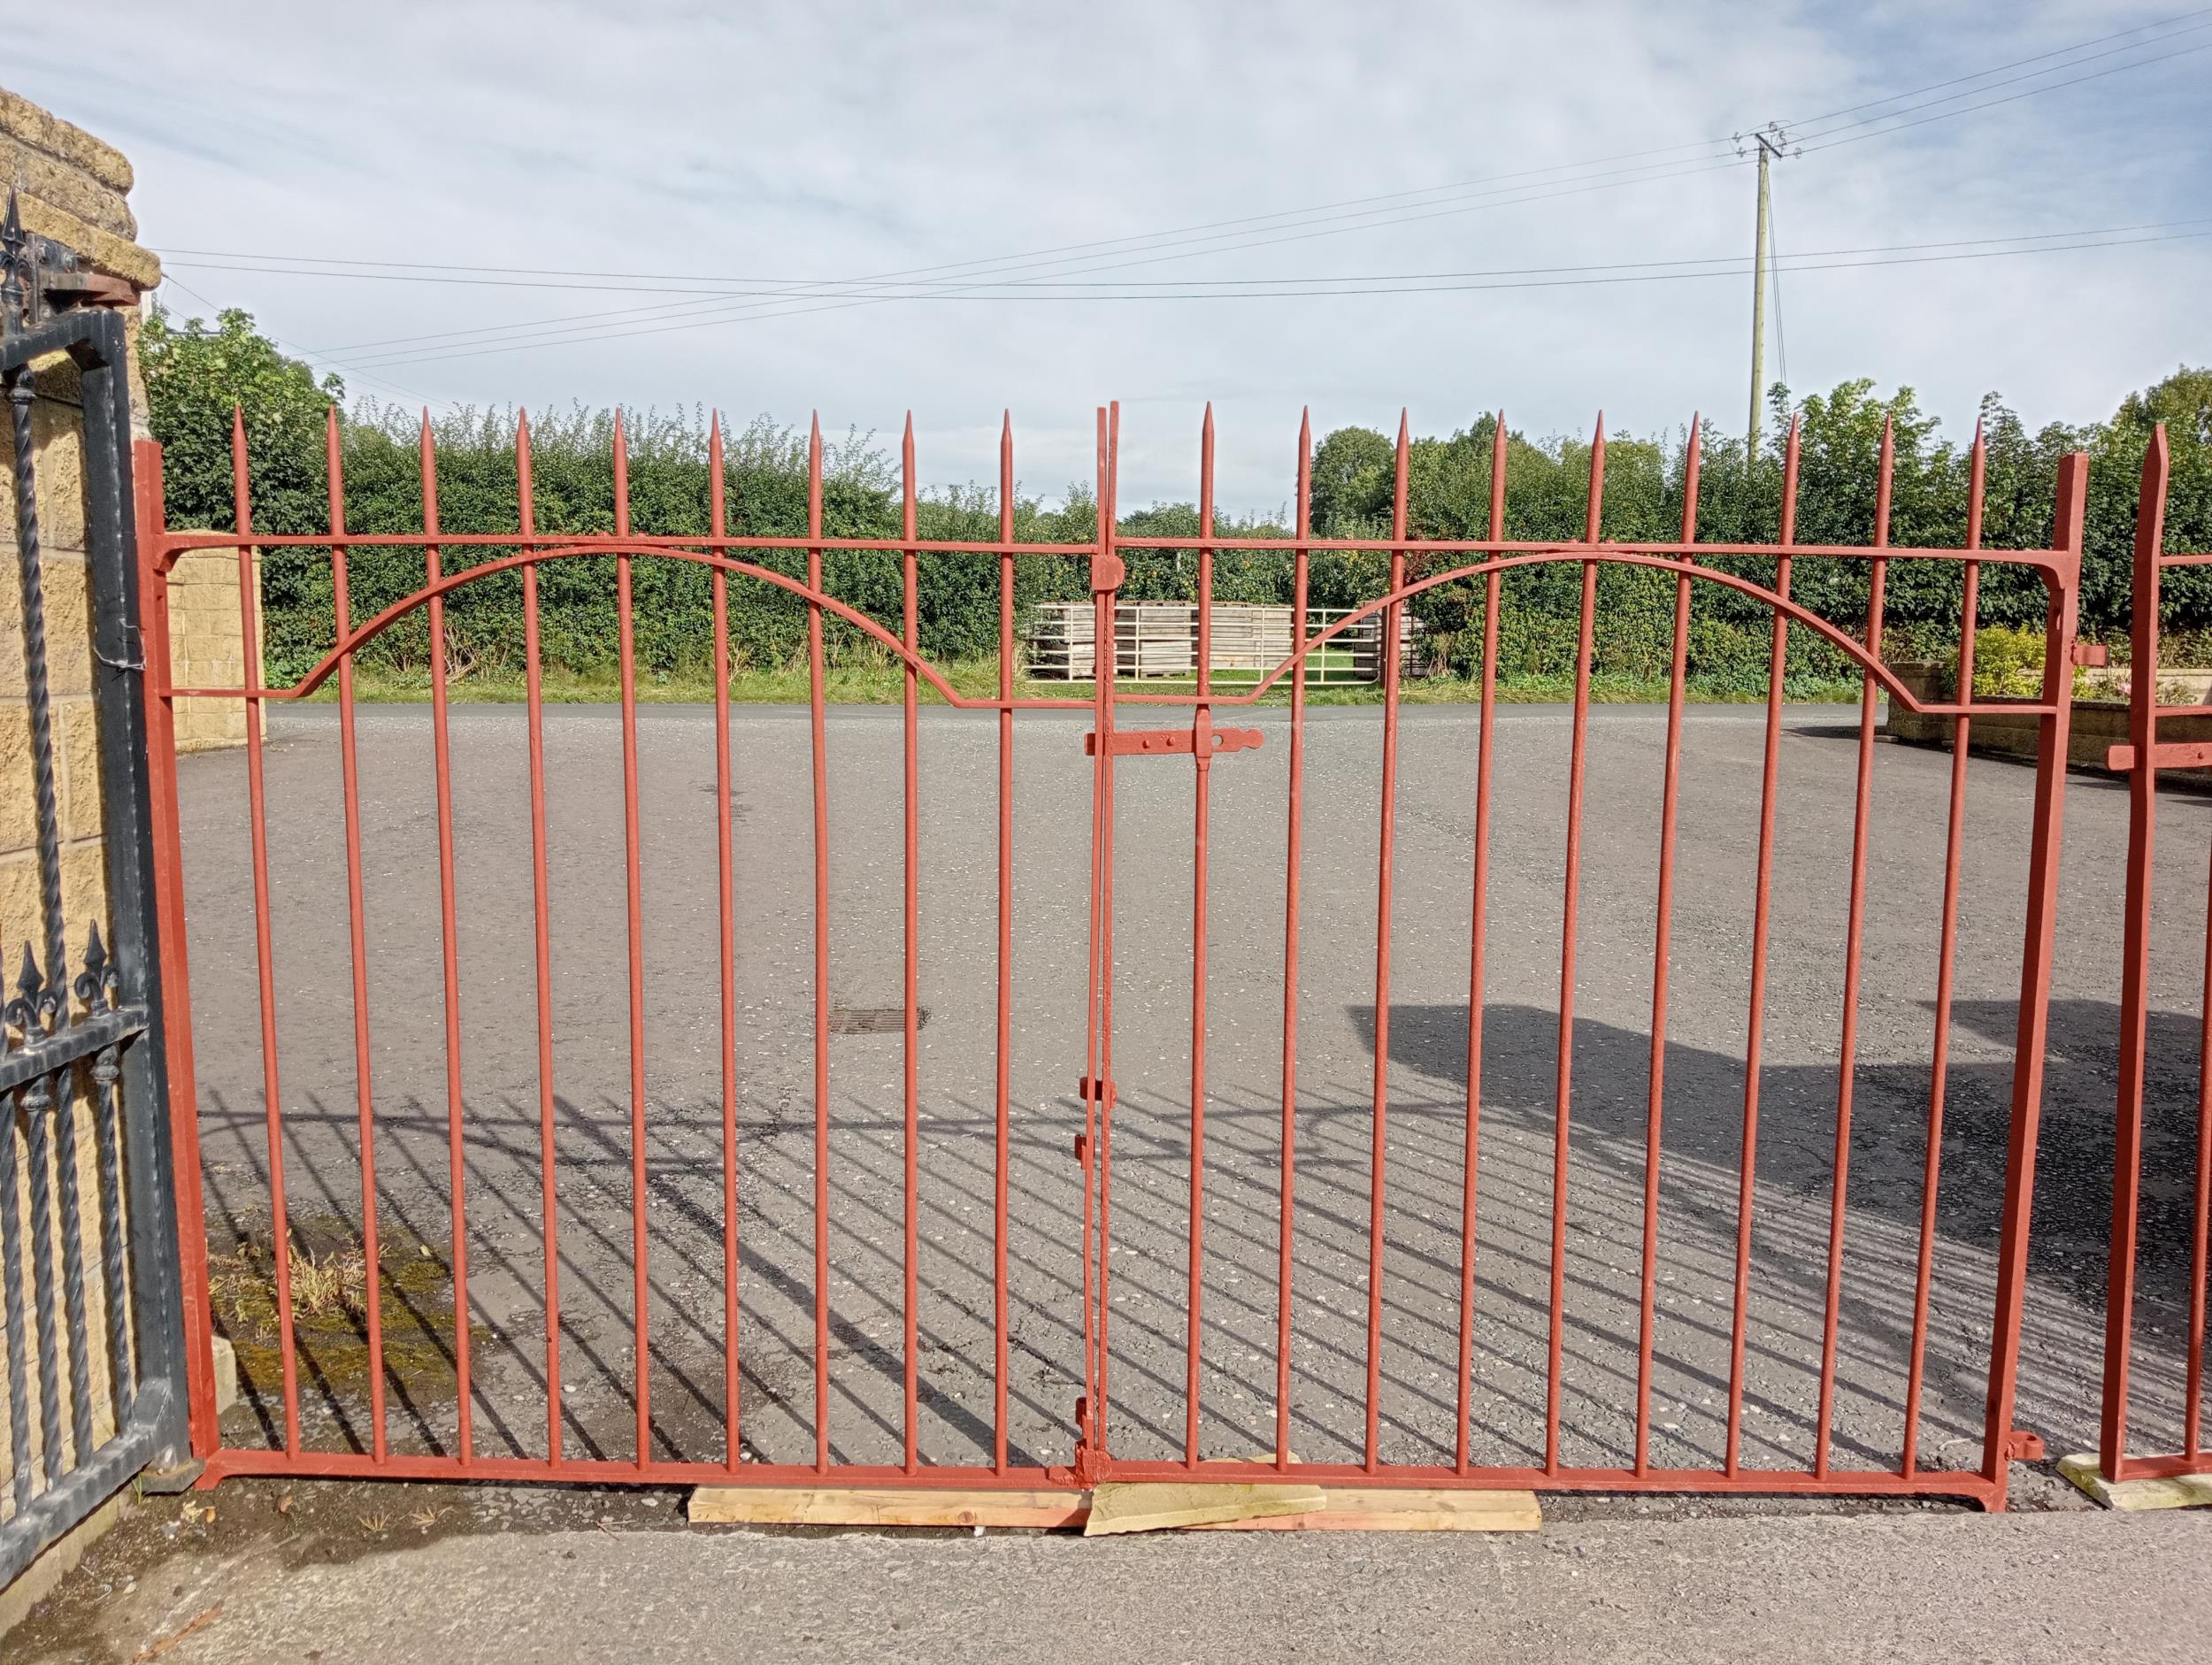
[[1157, 741]]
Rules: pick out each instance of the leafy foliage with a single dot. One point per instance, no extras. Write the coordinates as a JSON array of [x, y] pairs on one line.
[[195, 374]]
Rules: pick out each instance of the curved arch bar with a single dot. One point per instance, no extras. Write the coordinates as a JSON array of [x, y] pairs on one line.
[[375, 627], [1839, 638]]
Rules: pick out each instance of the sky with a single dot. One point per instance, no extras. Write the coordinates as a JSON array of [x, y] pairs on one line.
[[603, 153]]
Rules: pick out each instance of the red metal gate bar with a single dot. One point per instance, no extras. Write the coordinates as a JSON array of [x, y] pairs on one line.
[[632, 853], [2053, 728], [357, 922], [1554, 1373], [541, 943], [1003, 1085], [910, 632], [1293, 802], [1855, 940], [1955, 840], [449, 932], [1384, 873], [174, 960], [2143, 757], [1670, 791], [725, 881], [819, 740], [1479, 935], [264, 947], [1762, 917], [1202, 756]]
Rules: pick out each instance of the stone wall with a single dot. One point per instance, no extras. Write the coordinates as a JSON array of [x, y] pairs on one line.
[[72, 188]]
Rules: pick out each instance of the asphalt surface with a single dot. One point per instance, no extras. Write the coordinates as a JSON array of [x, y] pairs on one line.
[[1424, 1141], [434, 1574]]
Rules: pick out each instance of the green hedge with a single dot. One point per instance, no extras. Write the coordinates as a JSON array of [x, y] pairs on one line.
[[194, 373]]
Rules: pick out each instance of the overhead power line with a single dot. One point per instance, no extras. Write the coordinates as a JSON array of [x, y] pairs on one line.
[[773, 298], [1724, 266]]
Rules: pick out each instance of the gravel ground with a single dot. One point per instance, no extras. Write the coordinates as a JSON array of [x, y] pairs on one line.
[[1425, 1065]]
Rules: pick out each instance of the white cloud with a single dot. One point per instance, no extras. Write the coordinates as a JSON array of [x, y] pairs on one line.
[[828, 141]]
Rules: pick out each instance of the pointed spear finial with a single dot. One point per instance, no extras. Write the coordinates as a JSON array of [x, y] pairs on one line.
[[13, 295]]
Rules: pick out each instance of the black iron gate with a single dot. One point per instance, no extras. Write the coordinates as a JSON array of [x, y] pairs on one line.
[[94, 1337]]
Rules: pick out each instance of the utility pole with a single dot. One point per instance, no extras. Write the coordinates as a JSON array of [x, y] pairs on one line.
[[1769, 141]]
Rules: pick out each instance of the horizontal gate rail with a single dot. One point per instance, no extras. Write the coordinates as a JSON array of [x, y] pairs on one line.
[[528, 551]]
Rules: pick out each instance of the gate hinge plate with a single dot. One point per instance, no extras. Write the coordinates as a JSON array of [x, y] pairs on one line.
[[2091, 656], [1162, 741]]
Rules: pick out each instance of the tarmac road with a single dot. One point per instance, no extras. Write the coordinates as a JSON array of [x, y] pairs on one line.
[[1425, 1073]]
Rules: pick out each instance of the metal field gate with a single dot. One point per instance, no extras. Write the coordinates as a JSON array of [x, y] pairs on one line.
[[1075, 1281], [94, 1385]]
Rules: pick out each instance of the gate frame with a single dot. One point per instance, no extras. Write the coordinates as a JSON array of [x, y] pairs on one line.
[[1488, 558], [117, 1039]]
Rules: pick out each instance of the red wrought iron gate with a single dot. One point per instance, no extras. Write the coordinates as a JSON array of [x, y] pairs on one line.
[[358, 1443]]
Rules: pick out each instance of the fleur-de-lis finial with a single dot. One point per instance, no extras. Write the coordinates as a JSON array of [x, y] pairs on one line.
[[27, 1010]]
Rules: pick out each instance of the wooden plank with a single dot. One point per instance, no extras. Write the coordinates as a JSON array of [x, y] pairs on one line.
[[885, 1506], [1380, 1508], [2180, 1491], [1154, 1506], [1339, 1509]]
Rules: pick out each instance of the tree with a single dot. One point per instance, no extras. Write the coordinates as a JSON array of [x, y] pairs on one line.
[[195, 375]]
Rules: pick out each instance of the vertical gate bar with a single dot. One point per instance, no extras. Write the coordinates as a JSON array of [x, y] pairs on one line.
[[1953, 850], [96, 985], [1854, 941], [450, 941], [726, 874], [37, 1102], [1094, 1088], [910, 634], [1093, 1073], [1293, 854], [22, 392], [1003, 1110], [1662, 950], [173, 970], [820, 741], [69, 1195], [1202, 752], [1386, 864], [1554, 1381], [1761, 911], [2135, 955], [358, 928], [542, 940], [1469, 1160], [2035, 970], [2201, 1226], [626, 619], [1108, 509], [273, 1103], [12, 1302]]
